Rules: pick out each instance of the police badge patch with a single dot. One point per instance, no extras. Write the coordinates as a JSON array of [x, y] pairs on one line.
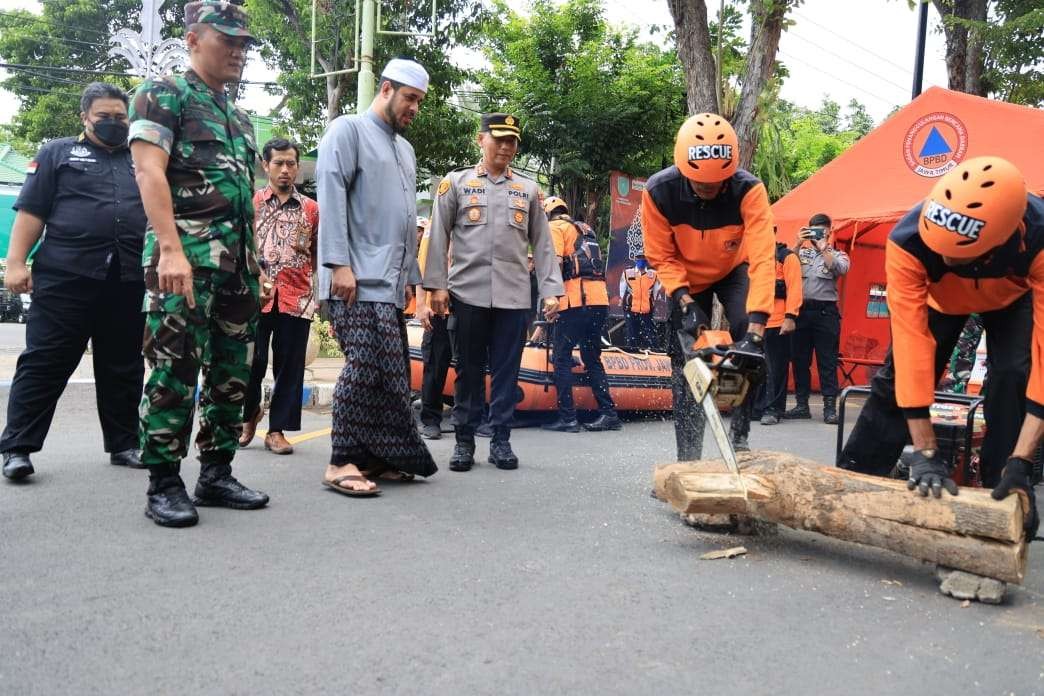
[[79, 151], [443, 187]]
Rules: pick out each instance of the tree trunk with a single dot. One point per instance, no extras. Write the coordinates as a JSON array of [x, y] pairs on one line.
[[766, 27], [970, 532], [964, 49], [334, 90], [695, 54]]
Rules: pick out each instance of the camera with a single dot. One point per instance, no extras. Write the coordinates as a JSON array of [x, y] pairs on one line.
[[814, 233]]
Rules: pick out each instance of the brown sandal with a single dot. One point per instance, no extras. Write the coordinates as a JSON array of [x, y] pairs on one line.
[[335, 485]]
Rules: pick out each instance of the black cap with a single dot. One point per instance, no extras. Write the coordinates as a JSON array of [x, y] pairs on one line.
[[500, 125]]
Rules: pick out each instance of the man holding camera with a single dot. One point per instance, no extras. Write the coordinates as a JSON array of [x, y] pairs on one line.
[[819, 322]]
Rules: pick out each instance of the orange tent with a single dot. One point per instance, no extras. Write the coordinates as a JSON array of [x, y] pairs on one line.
[[868, 188]]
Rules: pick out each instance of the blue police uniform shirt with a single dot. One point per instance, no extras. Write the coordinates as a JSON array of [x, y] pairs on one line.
[[89, 201]]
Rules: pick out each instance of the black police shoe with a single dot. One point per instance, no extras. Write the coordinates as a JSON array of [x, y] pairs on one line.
[[130, 458], [169, 504], [739, 443], [606, 421], [501, 456], [17, 465], [431, 431], [463, 457], [562, 426], [226, 491]]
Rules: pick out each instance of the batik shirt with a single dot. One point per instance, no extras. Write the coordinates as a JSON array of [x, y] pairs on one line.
[[211, 169], [285, 236]]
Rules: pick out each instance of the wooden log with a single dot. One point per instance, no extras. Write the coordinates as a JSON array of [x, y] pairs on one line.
[[970, 531]]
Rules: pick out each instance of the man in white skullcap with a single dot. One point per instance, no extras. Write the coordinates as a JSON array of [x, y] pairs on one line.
[[366, 176]]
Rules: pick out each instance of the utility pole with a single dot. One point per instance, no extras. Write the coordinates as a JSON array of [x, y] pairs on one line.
[[922, 33], [366, 79]]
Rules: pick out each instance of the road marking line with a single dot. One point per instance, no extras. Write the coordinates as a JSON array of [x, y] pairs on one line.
[[297, 438]]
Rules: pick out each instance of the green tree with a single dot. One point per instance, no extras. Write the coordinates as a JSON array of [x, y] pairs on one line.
[[591, 97], [442, 134], [64, 48]]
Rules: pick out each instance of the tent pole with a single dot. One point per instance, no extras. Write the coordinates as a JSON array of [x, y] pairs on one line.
[[922, 32]]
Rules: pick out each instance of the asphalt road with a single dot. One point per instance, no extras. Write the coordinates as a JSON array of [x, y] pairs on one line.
[[561, 577]]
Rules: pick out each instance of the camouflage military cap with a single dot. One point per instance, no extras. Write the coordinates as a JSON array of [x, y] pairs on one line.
[[222, 15]]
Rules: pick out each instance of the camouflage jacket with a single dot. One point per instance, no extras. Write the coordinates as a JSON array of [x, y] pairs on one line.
[[211, 169]]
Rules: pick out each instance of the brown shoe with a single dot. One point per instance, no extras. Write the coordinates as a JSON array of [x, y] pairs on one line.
[[277, 444], [250, 428]]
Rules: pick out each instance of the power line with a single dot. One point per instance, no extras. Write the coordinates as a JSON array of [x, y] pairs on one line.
[[904, 68], [850, 62], [890, 102], [42, 20]]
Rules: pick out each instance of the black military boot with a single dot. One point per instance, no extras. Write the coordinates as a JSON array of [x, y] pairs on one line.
[[500, 454], [169, 504], [800, 411], [217, 487], [830, 410], [463, 456]]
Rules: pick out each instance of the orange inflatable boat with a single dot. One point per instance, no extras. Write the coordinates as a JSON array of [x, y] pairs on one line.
[[637, 381]]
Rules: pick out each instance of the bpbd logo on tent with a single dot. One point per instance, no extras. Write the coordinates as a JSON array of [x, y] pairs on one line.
[[934, 144]]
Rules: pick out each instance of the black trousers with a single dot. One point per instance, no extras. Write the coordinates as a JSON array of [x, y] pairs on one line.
[[288, 336], [67, 310], [818, 329], [580, 326], [881, 432], [688, 416], [436, 352], [486, 336], [774, 390], [641, 331]]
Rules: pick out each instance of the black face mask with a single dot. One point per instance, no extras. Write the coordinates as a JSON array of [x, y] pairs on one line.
[[110, 131]]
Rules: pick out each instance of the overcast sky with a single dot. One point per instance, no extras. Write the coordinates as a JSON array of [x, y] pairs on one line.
[[862, 49]]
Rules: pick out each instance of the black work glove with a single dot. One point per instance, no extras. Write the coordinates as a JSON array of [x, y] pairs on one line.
[[1016, 474], [751, 343], [693, 319], [930, 474]]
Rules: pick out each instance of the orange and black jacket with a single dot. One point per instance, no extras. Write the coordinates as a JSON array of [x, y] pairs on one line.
[[693, 243], [788, 279], [918, 279]]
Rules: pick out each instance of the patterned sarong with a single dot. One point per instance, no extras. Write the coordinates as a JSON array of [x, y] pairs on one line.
[[373, 424]]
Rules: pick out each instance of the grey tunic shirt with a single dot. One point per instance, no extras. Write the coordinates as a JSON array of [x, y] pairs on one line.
[[491, 223], [366, 177], [817, 281]]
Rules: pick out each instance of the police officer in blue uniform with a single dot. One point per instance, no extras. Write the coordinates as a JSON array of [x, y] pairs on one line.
[[86, 282]]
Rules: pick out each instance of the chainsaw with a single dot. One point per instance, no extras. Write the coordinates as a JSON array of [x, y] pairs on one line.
[[717, 373]]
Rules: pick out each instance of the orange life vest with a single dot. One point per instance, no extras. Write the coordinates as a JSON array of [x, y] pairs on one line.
[[641, 287]]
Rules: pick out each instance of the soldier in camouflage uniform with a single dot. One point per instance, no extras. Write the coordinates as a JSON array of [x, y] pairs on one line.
[[194, 152], [963, 359]]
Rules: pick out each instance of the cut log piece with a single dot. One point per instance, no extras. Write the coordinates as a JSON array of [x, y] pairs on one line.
[[970, 531]]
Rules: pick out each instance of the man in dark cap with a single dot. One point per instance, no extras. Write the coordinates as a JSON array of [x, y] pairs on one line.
[[489, 215], [195, 153]]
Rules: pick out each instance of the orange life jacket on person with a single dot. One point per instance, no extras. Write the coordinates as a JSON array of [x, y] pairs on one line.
[[583, 268], [641, 286]]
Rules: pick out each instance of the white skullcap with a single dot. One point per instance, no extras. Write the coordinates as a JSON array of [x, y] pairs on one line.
[[408, 72]]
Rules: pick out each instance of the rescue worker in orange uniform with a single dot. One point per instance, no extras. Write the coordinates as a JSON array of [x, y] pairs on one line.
[[638, 288], [582, 314], [436, 346], [707, 230], [781, 323], [974, 245]]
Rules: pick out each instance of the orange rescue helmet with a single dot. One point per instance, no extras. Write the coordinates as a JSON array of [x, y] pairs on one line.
[[973, 208], [552, 203], [707, 149]]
